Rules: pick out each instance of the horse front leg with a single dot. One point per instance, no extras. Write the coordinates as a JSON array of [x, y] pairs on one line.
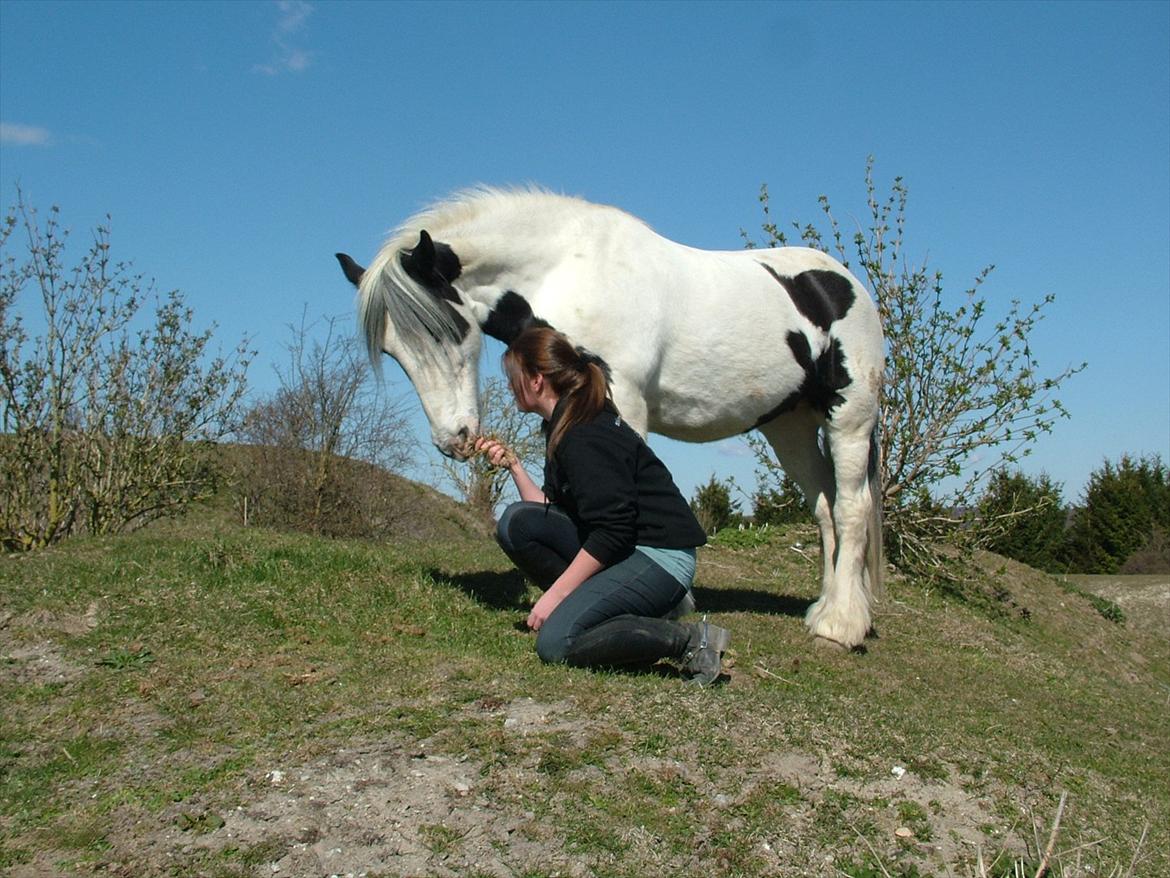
[[631, 404], [794, 438]]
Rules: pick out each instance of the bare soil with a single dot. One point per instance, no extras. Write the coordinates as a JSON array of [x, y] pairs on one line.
[[1145, 599]]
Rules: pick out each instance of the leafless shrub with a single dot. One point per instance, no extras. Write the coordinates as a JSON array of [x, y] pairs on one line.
[[321, 442]]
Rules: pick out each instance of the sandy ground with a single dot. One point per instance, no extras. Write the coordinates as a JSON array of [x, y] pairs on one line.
[[1145, 600]]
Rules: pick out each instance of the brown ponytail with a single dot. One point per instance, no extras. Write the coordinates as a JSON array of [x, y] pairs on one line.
[[577, 376]]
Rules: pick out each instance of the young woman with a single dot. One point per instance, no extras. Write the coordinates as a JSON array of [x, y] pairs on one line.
[[609, 537]]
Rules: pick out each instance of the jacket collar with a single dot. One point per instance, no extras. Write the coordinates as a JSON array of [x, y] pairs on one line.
[[558, 412], [546, 427]]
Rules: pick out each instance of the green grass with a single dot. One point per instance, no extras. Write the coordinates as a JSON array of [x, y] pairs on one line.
[[194, 657]]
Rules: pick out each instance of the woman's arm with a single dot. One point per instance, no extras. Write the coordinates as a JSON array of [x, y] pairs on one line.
[[524, 484], [581, 568]]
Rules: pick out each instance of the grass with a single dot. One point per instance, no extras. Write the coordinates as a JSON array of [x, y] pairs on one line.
[[165, 673]]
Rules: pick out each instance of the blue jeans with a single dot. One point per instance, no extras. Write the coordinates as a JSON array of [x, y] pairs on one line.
[[613, 618]]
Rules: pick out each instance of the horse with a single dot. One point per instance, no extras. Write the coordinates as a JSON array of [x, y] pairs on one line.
[[699, 345]]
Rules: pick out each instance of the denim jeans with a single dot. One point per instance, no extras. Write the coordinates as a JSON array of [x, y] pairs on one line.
[[613, 618]]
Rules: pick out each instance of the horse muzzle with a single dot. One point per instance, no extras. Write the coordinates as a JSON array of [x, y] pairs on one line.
[[459, 446]]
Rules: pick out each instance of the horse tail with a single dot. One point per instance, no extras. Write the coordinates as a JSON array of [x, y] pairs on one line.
[[873, 545]]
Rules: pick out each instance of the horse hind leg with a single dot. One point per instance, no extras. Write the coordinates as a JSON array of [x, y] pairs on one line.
[[843, 613], [794, 437]]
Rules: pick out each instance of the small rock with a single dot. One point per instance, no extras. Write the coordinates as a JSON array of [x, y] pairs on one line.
[[898, 771], [904, 832]]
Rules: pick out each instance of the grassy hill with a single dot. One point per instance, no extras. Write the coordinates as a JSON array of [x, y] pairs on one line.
[[361, 497], [205, 699]]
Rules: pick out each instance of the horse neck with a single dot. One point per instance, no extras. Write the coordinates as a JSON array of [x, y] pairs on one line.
[[513, 246]]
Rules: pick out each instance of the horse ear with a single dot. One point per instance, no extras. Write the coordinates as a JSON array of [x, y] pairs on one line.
[[423, 254], [352, 271], [433, 266]]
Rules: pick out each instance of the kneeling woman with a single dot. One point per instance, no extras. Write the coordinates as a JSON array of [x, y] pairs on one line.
[[609, 538]]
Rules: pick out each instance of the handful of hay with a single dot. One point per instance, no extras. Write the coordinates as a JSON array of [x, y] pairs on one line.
[[470, 452]]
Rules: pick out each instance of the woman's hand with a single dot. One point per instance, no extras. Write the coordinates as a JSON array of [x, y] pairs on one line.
[[580, 568], [497, 453], [543, 608]]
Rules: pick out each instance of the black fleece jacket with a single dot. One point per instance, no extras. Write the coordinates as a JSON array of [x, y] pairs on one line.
[[616, 490]]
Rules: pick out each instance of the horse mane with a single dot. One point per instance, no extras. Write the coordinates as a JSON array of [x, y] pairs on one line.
[[387, 292], [422, 321]]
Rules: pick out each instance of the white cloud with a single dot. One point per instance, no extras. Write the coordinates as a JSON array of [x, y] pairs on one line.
[[23, 135], [290, 57], [734, 448], [293, 14]]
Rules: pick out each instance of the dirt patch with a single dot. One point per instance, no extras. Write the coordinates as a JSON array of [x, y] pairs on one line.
[[398, 809], [40, 663], [526, 717], [28, 657], [1145, 599], [376, 809]]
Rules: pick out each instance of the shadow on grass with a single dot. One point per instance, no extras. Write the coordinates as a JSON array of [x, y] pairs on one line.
[[508, 591], [500, 591], [749, 600]]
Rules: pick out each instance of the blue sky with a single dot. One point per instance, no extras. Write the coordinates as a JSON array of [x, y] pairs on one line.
[[238, 145]]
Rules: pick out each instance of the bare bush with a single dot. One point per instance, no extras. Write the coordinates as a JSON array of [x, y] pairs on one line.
[[327, 415]]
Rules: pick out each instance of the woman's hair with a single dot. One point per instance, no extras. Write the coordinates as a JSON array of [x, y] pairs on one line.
[[577, 376]]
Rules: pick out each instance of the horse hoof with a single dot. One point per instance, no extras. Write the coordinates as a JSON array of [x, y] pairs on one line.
[[825, 644]]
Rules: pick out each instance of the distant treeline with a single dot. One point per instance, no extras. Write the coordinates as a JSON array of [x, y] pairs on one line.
[[1120, 525]]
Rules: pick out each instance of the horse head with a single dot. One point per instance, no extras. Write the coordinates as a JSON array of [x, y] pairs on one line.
[[410, 310]]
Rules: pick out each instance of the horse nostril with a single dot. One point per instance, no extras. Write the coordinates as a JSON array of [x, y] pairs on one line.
[[463, 434]]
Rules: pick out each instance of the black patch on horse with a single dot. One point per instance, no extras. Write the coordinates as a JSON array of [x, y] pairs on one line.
[[821, 296], [433, 265], [510, 316], [787, 404], [447, 264], [823, 378], [434, 270]]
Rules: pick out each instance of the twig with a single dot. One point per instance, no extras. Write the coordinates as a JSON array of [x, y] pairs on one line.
[[1081, 847], [1043, 869], [1136, 851], [760, 669], [876, 857]]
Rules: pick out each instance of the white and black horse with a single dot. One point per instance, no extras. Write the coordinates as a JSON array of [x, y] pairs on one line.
[[700, 345]]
